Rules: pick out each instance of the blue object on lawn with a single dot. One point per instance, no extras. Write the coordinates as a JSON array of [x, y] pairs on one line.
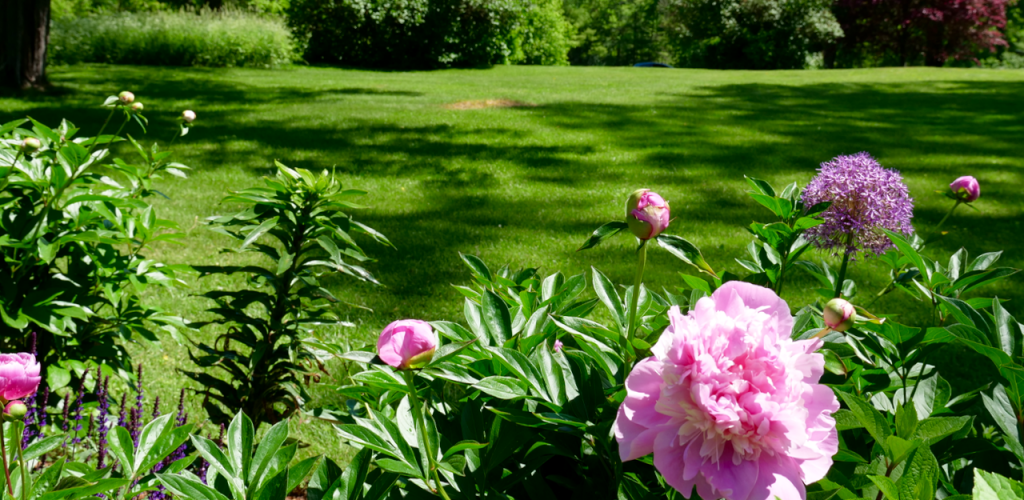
[[651, 65]]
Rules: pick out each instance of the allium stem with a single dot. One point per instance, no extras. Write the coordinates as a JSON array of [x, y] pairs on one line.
[[842, 274], [641, 261], [419, 416]]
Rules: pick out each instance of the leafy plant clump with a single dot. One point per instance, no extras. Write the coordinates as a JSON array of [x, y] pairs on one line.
[[204, 37], [298, 223]]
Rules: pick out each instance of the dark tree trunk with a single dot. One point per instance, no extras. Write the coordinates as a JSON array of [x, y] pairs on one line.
[[24, 35], [935, 55]]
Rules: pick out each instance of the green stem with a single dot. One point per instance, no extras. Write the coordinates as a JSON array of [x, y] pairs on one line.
[[104, 127], [3, 452], [641, 261], [418, 416], [24, 472], [842, 274], [950, 212], [782, 272]]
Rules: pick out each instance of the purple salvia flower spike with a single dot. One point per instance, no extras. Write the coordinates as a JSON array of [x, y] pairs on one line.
[[78, 413], [64, 426]]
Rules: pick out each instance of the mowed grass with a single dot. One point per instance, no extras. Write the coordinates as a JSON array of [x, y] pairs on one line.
[[525, 185]]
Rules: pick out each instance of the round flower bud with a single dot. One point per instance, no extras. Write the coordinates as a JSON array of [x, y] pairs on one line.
[[30, 145], [647, 214], [15, 410], [407, 344], [558, 345], [966, 189], [137, 107], [839, 315], [126, 97], [188, 116]]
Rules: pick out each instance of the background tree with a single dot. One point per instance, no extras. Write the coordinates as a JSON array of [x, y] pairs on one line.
[[24, 35], [906, 32]]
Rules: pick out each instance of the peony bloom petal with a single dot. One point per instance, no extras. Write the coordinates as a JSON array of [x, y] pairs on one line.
[[19, 375], [407, 343], [729, 404]]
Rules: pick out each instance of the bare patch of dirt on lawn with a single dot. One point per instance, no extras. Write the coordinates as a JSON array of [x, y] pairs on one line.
[[489, 103]]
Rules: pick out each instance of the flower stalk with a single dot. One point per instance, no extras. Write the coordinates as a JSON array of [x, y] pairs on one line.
[[842, 275], [641, 261], [421, 427]]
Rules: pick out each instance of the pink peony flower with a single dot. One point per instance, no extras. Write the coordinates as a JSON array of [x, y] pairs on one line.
[[407, 343], [729, 404], [647, 214], [966, 188], [19, 375]]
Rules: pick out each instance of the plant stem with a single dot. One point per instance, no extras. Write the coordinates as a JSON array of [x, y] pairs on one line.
[[104, 127], [418, 416], [24, 472], [842, 274], [950, 212], [3, 452], [641, 261]]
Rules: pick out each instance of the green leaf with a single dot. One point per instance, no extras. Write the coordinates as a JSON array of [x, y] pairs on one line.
[[992, 486], [920, 476], [260, 230], [47, 479], [43, 446], [602, 233], [353, 480], [685, 251], [760, 186], [935, 429], [1003, 413], [873, 421], [496, 317], [188, 488], [886, 486], [239, 444], [271, 442], [213, 454], [502, 387], [122, 447], [57, 377], [606, 292], [151, 433], [906, 420], [519, 364], [275, 488], [477, 266], [907, 249], [461, 446], [325, 476]]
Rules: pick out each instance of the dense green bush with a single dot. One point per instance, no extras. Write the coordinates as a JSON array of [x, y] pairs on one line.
[[182, 38], [614, 33], [759, 34], [422, 34]]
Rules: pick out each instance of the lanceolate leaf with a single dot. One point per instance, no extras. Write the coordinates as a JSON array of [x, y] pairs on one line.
[[602, 233], [685, 251]]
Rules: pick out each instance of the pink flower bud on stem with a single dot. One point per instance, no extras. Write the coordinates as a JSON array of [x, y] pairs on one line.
[[839, 315], [126, 97], [966, 189], [30, 145], [647, 214], [407, 344]]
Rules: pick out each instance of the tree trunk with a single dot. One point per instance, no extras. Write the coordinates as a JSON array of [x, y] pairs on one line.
[[25, 27]]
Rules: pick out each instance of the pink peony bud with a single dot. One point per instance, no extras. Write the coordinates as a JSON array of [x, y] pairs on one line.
[[558, 345], [839, 315], [30, 145], [15, 410], [126, 97], [647, 214], [966, 189], [407, 344], [19, 375], [188, 115], [137, 107]]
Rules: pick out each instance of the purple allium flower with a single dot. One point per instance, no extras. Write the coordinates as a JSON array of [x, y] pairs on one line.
[[865, 197]]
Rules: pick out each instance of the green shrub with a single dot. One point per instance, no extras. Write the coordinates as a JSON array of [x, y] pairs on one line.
[[427, 34], [759, 34], [614, 33], [182, 38]]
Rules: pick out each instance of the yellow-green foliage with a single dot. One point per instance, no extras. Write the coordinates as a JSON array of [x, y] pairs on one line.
[[179, 38]]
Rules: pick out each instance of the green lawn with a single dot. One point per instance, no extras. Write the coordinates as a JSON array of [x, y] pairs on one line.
[[525, 185]]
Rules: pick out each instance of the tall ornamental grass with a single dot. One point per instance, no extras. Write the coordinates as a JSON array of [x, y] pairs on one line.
[[183, 38]]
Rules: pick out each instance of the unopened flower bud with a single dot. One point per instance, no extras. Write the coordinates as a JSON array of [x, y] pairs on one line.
[[188, 115], [126, 97], [647, 214], [15, 410], [839, 314], [30, 145], [966, 189], [137, 107], [558, 345], [407, 344]]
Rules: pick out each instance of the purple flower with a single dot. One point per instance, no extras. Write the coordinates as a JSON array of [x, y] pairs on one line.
[[103, 398], [966, 188], [865, 197], [558, 345], [78, 413]]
